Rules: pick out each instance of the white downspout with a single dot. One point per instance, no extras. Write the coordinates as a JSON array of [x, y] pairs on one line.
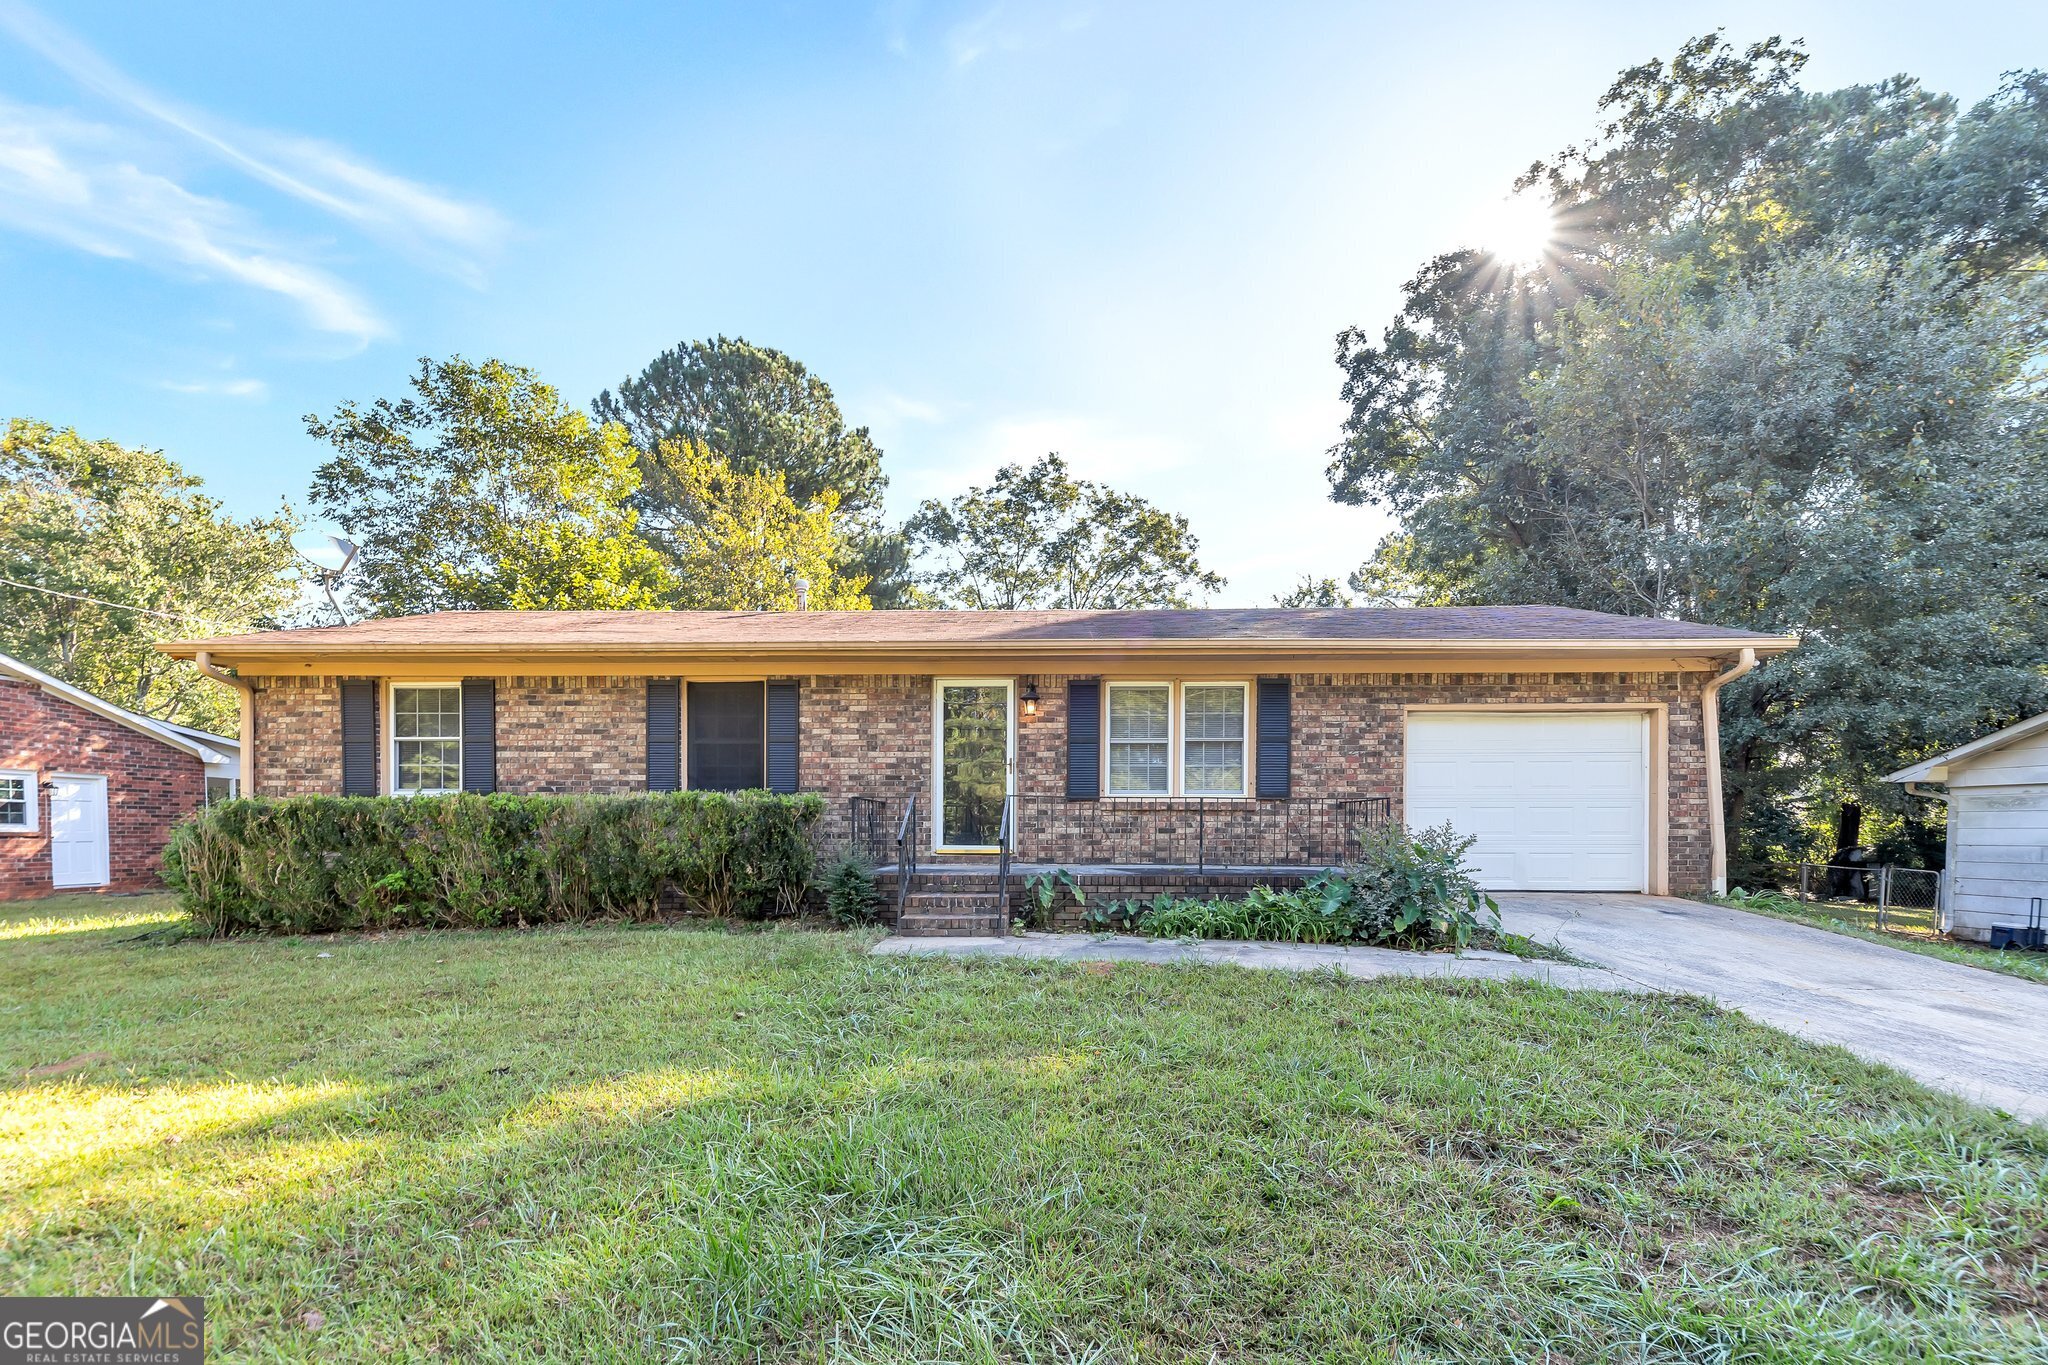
[[1710, 722], [246, 690]]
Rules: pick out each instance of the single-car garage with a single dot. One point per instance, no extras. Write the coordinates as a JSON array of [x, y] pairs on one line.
[[1558, 800]]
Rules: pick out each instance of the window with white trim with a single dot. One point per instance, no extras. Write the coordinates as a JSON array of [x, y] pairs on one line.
[[1212, 738], [17, 801], [426, 738], [1140, 739]]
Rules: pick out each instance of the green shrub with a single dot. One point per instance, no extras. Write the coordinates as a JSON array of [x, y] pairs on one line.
[[1765, 899], [850, 896], [1412, 888], [1289, 916], [311, 864], [1405, 890]]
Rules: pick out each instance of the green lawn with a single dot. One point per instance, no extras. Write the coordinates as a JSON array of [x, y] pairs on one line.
[[652, 1143], [1858, 921]]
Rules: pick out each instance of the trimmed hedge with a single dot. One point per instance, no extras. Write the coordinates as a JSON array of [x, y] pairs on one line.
[[311, 864]]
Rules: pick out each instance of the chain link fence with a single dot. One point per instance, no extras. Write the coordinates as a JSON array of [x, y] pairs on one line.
[[1891, 900]]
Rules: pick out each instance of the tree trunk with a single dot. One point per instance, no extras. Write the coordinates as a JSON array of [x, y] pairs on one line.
[[1848, 828]]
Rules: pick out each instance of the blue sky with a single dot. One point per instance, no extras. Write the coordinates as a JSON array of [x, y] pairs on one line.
[[1126, 232]]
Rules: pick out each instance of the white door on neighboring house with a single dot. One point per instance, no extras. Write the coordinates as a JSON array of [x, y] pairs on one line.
[[78, 830]]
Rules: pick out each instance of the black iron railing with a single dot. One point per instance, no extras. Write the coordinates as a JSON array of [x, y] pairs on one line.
[[867, 827], [1005, 830], [1197, 832], [906, 855]]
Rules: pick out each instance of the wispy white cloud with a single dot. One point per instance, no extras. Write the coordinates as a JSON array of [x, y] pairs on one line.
[[122, 188], [403, 213], [77, 183], [219, 388], [997, 30], [889, 406]]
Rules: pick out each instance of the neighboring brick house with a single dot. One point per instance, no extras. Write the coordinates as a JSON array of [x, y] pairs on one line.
[[89, 791], [1576, 746]]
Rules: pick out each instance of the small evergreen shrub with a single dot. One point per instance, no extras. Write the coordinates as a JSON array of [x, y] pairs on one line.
[[312, 864], [850, 896]]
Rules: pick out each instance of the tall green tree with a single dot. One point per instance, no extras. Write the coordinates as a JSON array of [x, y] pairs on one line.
[[94, 519], [1038, 537], [746, 545], [1782, 372], [479, 489], [762, 412]]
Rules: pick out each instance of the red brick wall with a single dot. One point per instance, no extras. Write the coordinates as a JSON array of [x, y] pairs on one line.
[[150, 787], [1349, 738], [572, 734], [872, 736], [298, 737]]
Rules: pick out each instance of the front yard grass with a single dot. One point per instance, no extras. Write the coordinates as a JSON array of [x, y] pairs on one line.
[[657, 1143], [1848, 920]]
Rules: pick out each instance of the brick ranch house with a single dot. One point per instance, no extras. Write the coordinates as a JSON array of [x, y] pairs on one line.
[[1578, 747], [89, 790]]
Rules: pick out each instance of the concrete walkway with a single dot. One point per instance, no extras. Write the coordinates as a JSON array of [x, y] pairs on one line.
[[1292, 957], [1976, 1033]]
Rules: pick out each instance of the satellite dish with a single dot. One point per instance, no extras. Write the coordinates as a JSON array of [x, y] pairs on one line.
[[328, 578]]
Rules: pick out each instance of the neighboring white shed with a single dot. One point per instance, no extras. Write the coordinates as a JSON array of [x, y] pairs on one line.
[[1997, 824]]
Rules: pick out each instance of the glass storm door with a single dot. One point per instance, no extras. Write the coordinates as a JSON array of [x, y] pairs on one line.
[[975, 743]]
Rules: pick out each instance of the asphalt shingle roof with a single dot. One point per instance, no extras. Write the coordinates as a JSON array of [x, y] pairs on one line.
[[598, 630]]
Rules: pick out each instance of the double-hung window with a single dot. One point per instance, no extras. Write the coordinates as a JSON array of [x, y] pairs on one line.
[[426, 738], [1140, 739], [17, 801], [1212, 739], [1176, 739]]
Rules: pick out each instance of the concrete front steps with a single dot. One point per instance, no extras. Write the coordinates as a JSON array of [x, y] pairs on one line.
[[950, 914]]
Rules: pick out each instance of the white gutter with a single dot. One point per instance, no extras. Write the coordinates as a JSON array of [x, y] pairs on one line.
[[1915, 789], [246, 692], [1710, 721]]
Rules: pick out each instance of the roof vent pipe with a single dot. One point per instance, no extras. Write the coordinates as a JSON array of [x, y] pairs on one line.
[[803, 594]]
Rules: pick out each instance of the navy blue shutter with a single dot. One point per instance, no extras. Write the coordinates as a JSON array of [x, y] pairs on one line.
[[479, 735], [664, 734], [359, 739], [782, 736], [1084, 739], [1276, 721]]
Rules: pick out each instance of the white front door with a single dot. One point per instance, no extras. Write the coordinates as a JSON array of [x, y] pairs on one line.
[[974, 744], [78, 831], [1558, 800]]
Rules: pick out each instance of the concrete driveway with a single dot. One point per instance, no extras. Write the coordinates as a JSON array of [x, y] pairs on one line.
[[1976, 1033]]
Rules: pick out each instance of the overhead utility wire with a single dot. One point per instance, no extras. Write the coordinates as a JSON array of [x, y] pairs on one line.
[[119, 606]]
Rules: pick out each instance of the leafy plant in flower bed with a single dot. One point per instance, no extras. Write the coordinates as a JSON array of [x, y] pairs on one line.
[[1042, 892], [1408, 890], [312, 864]]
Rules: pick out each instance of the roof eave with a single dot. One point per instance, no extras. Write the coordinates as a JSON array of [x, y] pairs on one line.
[[106, 710], [227, 651], [1936, 769]]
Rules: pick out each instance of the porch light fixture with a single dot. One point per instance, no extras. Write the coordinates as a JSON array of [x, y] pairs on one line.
[[1030, 700]]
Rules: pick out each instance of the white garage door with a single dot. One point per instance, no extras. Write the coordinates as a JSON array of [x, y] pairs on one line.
[[1557, 799]]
